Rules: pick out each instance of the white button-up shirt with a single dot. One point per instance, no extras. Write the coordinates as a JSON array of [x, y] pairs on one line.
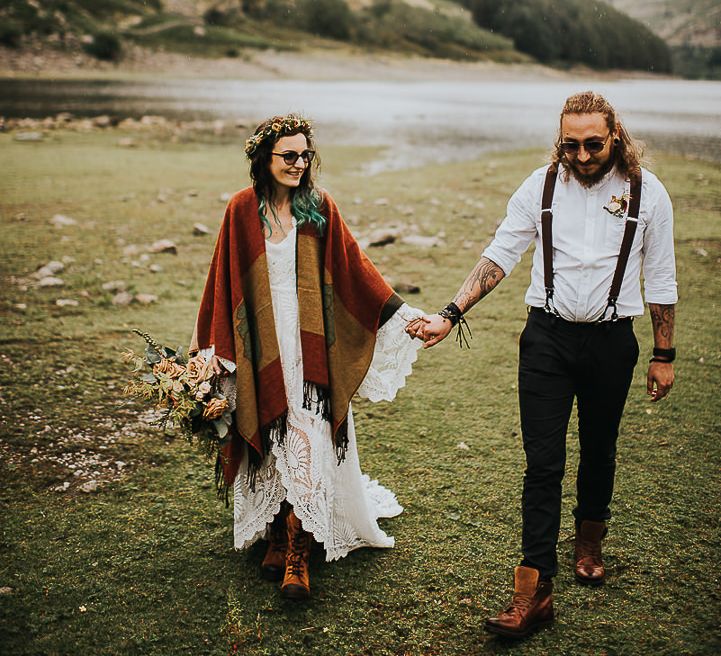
[[586, 243]]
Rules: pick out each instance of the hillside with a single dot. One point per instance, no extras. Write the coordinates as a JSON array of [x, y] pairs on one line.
[[562, 33], [691, 27], [678, 22], [227, 27]]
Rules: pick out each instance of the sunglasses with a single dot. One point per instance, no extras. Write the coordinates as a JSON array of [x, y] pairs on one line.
[[591, 146], [291, 157]]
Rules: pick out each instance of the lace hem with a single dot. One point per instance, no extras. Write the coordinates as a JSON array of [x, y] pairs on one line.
[[393, 357], [253, 512]]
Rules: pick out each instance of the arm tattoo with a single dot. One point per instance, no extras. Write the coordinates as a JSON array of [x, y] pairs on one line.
[[662, 320], [481, 281]]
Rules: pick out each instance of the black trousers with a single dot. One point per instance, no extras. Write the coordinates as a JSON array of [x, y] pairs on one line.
[[560, 361]]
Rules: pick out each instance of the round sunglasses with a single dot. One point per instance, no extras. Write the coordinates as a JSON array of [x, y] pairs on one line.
[[591, 146], [290, 157]]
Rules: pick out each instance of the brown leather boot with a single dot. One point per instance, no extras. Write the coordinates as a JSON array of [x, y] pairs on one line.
[[589, 562], [273, 565], [296, 582], [530, 609]]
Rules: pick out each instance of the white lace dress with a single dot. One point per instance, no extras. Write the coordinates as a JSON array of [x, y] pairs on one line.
[[337, 503]]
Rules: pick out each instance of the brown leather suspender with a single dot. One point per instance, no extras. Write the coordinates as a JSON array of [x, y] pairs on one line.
[[547, 235], [628, 235], [634, 205]]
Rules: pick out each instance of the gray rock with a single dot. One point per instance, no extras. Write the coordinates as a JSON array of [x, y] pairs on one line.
[[115, 286], [90, 486], [382, 237], [61, 221], [225, 197], [164, 246], [51, 281], [406, 288], [21, 307], [66, 302], [127, 142], [200, 229], [6, 590], [49, 269], [102, 121], [421, 241], [28, 136], [146, 299], [123, 298], [155, 268]]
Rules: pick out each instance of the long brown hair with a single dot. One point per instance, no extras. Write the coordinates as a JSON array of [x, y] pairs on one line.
[[627, 151]]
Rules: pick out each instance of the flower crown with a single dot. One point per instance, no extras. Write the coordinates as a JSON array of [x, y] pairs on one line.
[[280, 126]]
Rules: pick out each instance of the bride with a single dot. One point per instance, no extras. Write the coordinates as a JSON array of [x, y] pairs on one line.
[[296, 320]]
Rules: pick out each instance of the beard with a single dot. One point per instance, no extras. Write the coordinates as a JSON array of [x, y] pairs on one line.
[[589, 179]]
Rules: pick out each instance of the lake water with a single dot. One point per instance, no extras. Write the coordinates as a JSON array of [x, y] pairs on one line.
[[417, 121]]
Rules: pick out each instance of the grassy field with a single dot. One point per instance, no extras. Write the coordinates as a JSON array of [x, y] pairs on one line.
[[145, 564]]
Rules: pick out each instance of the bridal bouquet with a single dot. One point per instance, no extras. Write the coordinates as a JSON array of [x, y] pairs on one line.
[[186, 390]]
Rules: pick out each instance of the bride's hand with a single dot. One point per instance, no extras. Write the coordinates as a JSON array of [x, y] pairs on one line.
[[217, 366], [416, 327]]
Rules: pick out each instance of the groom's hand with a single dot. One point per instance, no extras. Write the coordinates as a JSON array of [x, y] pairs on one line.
[[436, 328]]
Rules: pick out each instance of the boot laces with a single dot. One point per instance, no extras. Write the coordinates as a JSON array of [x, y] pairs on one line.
[[295, 556], [519, 603]]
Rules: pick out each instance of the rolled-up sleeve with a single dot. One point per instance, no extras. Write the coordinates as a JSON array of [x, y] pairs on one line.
[[518, 229], [659, 263]]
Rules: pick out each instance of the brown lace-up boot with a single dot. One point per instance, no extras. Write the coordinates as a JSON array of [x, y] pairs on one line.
[[296, 582], [530, 609], [273, 564], [589, 562]]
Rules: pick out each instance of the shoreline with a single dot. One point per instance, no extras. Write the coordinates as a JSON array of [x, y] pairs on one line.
[[319, 64]]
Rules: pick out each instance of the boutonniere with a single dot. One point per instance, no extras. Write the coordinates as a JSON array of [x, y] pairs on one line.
[[617, 205]]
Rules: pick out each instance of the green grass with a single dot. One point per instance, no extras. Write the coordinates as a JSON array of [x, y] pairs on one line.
[[149, 556]]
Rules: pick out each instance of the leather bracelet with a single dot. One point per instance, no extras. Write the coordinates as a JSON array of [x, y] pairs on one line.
[[451, 312], [668, 354]]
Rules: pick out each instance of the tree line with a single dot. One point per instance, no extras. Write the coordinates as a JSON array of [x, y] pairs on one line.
[[574, 31]]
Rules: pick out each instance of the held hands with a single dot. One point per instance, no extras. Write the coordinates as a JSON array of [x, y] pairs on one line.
[[659, 380], [430, 328]]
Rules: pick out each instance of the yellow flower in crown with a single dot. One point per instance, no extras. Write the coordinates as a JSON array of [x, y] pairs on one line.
[[276, 127]]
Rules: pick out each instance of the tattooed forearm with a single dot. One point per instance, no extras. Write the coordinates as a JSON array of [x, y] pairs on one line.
[[662, 320], [482, 280]]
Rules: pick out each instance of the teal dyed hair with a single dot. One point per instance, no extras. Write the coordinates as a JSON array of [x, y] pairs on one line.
[[305, 207]]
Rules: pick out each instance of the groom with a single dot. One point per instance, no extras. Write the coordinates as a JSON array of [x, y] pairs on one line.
[[598, 220]]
